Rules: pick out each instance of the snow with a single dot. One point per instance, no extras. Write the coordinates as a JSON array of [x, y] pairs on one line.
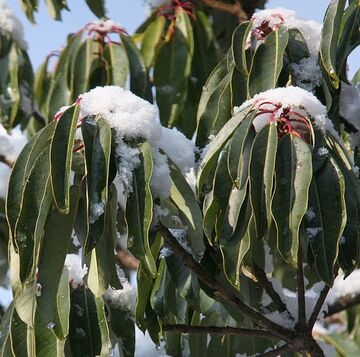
[[310, 30], [291, 97], [96, 210], [344, 287], [10, 24], [307, 74], [313, 232], [322, 151], [350, 104], [10, 146], [134, 118], [310, 214], [160, 180], [178, 148], [127, 160], [131, 116], [122, 298], [5, 297], [77, 271]]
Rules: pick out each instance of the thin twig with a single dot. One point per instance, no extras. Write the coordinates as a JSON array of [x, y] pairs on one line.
[[277, 351], [215, 330], [318, 306], [126, 260], [301, 293], [343, 303], [275, 297], [222, 293], [235, 9]]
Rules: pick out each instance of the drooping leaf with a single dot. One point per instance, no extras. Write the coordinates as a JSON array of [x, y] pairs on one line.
[[97, 7], [54, 301], [139, 212], [293, 173], [268, 62], [84, 330], [97, 140], [325, 228], [139, 81], [329, 39], [151, 40], [218, 143], [118, 64], [172, 70], [61, 153], [184, 198], [261, 175]]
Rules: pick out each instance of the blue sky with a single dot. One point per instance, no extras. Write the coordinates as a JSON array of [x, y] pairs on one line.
[[49, 35]]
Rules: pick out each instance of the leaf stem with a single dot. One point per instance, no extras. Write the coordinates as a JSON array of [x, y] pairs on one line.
[[301, 293], [318, 306]]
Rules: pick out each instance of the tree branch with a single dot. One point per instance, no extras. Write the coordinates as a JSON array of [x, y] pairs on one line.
[[215, 330], [343, 303], [222, 293], [318, 306], [263, 280], [301, 292], [235, 9]]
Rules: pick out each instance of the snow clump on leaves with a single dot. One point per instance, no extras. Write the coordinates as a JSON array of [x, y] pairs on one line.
[[274, 105], [268, 20], [133, 119]]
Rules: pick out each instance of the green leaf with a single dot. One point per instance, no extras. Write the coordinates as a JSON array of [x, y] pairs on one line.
[[349, 38], [151, 40], [54, 301], [293, 173], [239, 42], [172, 70], [139, 81], [234, 246], [5, 330], [84, 333], [118, 64], [146, 284], [21, 172], [59, 94], [297, 48], [18, 336], [324, 230], [329, 39], [215, 104], [268, 62], [139, 212], [54, 8], [34, 210], [103, 325], [46, 343], [210, 159], [124, 328], [97, 140], [184, 199], [97, 7], [61, 153], [85, 61], [102, 259], [261, 174]]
